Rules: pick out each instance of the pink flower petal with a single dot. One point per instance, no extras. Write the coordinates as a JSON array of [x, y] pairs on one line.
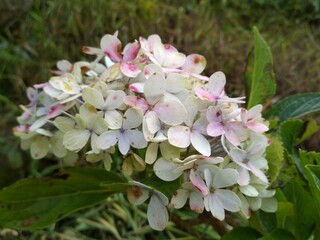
[[55, 111], [198, 182], [215, 129], [130, 52], [204, 94], [137, 87], [130, 70], [111, 46], [136, 102]]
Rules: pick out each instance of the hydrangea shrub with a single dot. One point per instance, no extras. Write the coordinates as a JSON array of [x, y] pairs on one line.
[[151, 104]]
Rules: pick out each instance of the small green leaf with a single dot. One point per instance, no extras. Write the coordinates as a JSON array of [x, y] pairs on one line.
[[275, 157], [279, 234], [268, 221], [285, 215], [313, 176], [242, 233], [304, 205], [289, 132], [311, 128], [167, 188], [295, 106], [36, 203], [259, 76], [311, 158]]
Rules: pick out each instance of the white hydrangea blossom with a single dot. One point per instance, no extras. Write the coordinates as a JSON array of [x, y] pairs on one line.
[[150, 103]]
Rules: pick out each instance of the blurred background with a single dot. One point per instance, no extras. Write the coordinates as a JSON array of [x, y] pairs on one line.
[[35, 34]]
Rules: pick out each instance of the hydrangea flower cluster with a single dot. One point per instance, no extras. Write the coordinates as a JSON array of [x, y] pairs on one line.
[[150, 102]]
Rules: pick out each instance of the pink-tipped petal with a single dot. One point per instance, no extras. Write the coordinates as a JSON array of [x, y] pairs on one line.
[[198, 182], [196, 202], [136, 102], [129, 70], [130, 51], [137, 87], [204, 94], [111, 46], [55, 111]]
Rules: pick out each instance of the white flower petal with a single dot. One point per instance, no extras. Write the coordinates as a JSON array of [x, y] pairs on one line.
[[132, 118], [175, 82], [114, 99], [75, 140], [39, 147], [249, 191], [152, 153], [200, 143], [179, 136], [216, 83], [107, 139], [229, 200], [114, 119], [136, 139], [154, 88], [244, 176], [254, 203], [157, 213], [225, 178], [196, 202], [93, 97], [165, 170], [171, 112], [151, 122], [216, 207], [123, 143], [179, 198]]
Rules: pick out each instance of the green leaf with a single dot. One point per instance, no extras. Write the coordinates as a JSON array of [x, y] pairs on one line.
[[311, 128], [279, 234], [167, 188], [259, 77], [304, 217], [289, 132], [275, 157], [313, 176], [242, 233], [285, 215], [268, 221], [36, 203], [295, 106], [311, 158]]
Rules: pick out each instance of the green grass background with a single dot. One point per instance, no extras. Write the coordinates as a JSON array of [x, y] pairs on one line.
[[35, 34]]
